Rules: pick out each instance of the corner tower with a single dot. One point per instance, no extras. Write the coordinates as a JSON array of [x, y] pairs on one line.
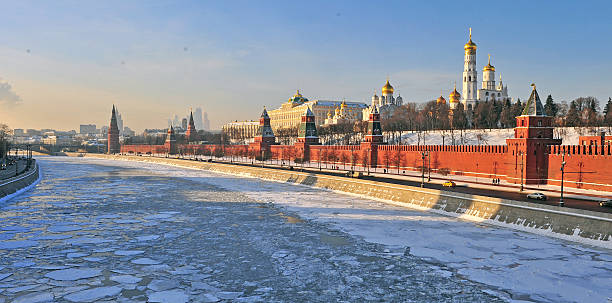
[[113, 134], [470, 75]]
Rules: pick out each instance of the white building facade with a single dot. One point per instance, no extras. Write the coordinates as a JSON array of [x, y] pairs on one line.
[[489, 90], [386, 103]]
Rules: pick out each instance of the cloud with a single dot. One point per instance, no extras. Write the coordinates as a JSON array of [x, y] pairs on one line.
[[7, 95]]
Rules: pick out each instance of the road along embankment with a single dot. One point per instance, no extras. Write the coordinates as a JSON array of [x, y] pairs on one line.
[[11, 186], [578, 225]]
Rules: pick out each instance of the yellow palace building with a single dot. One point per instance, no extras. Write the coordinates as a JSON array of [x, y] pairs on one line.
[[289, 114]]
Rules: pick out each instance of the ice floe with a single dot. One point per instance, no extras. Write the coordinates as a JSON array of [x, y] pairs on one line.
[[73, 274]]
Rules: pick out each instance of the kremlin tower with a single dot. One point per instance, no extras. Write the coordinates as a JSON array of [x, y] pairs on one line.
[[192, 134], [170, 145], [113, 134]]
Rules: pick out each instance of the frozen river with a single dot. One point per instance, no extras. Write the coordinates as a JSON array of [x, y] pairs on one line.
[[96, 230]]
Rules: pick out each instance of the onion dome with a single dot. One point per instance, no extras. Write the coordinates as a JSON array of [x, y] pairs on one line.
[[329, 114], [454, 96], [441, 100], [387, 89], [297, 94], [470, 46], [489, 67], [337, 110]]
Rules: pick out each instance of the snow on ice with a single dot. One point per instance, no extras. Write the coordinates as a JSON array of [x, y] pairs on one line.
[[167, 234]]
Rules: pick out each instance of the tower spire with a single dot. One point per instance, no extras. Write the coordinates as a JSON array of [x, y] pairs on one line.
[[470, 33], [114, 146], [489, 59]]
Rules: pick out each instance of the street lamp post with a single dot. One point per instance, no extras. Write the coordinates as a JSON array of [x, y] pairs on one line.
[[429, 167], [262, 158], [423, 155], [561, 203], [522, 157]]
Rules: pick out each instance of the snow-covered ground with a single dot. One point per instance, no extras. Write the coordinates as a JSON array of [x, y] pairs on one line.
[[493, 136], [127, 231]]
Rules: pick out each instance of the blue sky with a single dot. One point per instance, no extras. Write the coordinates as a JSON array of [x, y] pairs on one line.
[[155, 59]]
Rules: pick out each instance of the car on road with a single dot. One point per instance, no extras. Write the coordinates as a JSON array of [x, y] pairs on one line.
[[449, 183], [605, 203], [537, 196]]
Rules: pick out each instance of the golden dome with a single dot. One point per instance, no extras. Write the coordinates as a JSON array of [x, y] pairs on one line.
[[441, 100], [337, 110], [387, 89], [454, 96], [489, 67], [329, 114], [470, 46]]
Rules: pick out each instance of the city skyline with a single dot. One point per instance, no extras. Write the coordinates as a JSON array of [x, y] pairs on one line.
[[65, 64]]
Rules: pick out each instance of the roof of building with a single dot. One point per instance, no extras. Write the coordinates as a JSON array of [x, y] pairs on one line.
[[338, 103], [387, 88], [533, 107]]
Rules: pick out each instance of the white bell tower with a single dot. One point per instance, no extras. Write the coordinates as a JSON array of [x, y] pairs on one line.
[[470, 75]]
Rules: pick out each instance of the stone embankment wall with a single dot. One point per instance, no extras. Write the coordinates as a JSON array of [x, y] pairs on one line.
[[12, 185], [571, 224]]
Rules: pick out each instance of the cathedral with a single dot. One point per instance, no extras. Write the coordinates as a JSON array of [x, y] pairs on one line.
[[386, 103], [489, 89]]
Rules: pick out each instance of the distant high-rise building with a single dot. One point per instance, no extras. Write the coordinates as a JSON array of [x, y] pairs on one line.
[[119, 121], [184, 123], [197, 118], [176, 122], [206, 122]]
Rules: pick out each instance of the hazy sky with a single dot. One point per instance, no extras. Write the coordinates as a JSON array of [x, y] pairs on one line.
[[64, 63]]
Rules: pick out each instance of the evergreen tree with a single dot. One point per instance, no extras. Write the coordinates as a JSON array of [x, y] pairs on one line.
[[550, 108], [607, 113], [573, 115]]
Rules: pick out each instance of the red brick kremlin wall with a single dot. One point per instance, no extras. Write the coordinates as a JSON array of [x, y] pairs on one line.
[[587, 167]]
